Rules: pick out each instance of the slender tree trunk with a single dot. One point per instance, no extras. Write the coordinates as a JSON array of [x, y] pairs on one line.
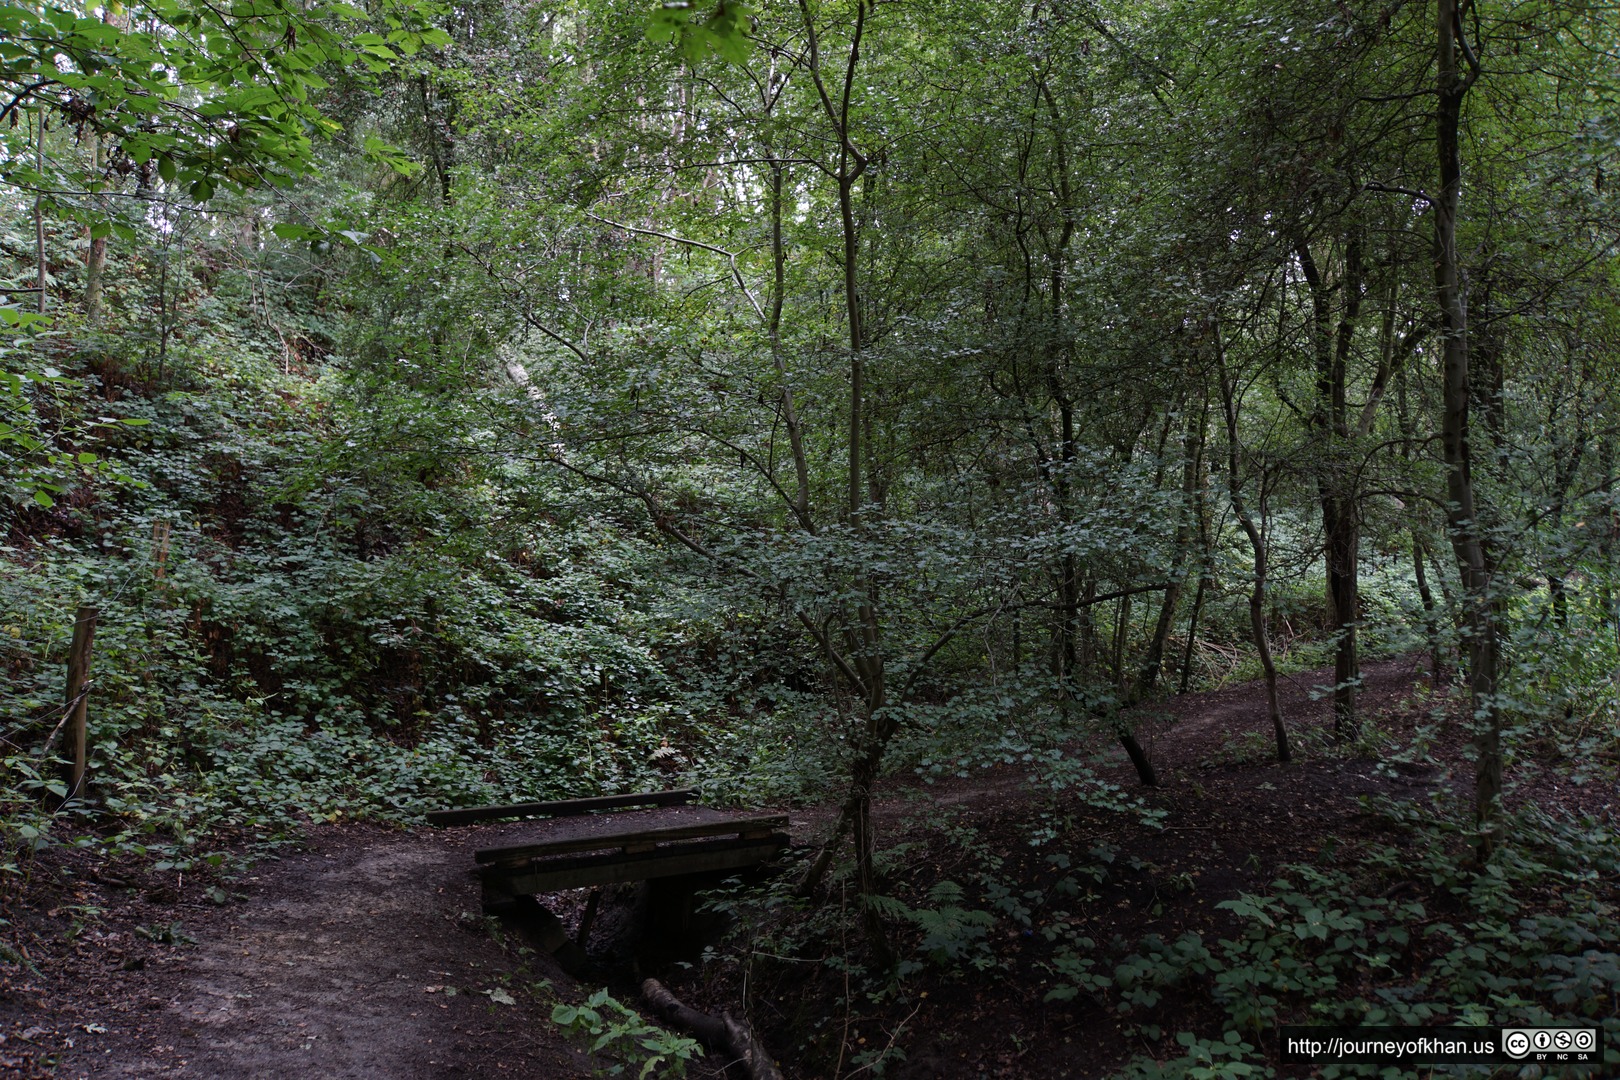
[[1069, 572], [868, 661], [1088, 629], [1336, 482], [1420, 547], [1122, 633], [95, 266], [438, 143], [39, 207], [1192, 629], [1467, 537], [1068, 565], [1609, 540], [868, 655], [1343, 559], [1431, 617], [1134, 750], [1123, 731], [1448, 598], [95, 269], [790, 412], [95, 263], [1257, 545], [1147, 677], [1206, 564], [163, 312], [1567, 463], [1075, 649]]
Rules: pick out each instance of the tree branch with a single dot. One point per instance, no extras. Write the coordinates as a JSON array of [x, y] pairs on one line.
[[1395, 189], [730, 256]]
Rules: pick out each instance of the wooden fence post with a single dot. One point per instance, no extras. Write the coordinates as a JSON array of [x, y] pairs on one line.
[[78, 693], [160, 546]]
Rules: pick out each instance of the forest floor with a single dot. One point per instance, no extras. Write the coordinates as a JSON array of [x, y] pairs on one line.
[[363, 954]]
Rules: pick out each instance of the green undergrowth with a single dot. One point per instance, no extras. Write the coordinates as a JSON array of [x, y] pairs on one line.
[[1401, 930], [619, 1034], [1401, 933], [294, 628]]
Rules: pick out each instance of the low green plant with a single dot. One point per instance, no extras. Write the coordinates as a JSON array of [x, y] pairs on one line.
[[1531, 939], [1202, 1059], [952, 935], [1071, 966], [619, 1032]]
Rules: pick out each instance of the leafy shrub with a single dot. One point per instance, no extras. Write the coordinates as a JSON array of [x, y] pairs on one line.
[[1530, 940], [620, 1032]]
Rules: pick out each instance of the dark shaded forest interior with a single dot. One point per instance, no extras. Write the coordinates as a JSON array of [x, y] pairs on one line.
[[1123, 496]]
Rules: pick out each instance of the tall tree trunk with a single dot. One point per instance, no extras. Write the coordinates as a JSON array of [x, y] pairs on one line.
[[95, 263], [1257, 545], [95, 266], [1336, 481], [1192, 622], [878, 723], [1418, 530], [439, 145], [1608, 541], [790, 412], [163, 311], [95, 271], [1206, 569], [1343, 558], [39, 206], [1075, 630], [1147, 677], [1467, 537], [1431, 616], [1566, 464], [1122, 633]]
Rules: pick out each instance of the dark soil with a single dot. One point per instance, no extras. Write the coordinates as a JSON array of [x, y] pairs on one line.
[[365, 954], [1233, 819]]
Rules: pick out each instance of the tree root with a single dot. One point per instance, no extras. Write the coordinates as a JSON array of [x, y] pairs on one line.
[[731, 1037]]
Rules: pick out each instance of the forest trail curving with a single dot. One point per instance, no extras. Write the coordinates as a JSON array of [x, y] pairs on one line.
[[363, 956], [1203, 723]]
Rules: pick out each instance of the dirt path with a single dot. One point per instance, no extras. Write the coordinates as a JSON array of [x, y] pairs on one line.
[[361, 957], [1205, 723]]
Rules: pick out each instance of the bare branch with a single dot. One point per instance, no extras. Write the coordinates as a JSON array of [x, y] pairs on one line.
[[731, 257], [1394, 189]]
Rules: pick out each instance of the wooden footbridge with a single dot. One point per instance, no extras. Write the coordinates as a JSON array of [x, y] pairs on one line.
[[614, 838]]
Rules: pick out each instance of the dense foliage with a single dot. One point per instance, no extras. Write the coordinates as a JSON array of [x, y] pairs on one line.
[[452, 404]]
